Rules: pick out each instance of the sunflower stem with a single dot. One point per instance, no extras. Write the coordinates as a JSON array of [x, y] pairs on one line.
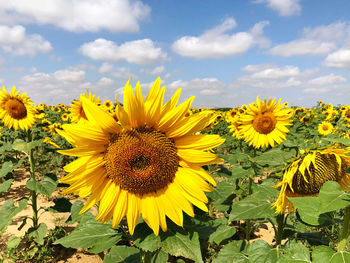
[[280, 226], [33, 193], [146, 256], [345, 230]]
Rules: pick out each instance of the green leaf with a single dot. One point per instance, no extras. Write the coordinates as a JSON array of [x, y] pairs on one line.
[[26, 147], [5, 185], [223, 195], [145, 239], [258, 250], [239, 172], [345, 141], [46, 186], [178, 242], [340, 257], [274, 157], [13, 242], [322, 254], [231, 253], [38, 234], [295, 251], [91, 234], [332, 197], [123, 254], [8, 211], [257, 205], [160, 257], [222, 232], [8, 167]]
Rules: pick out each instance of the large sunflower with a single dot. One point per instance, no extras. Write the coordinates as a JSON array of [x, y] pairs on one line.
[[306, 175], [16, 110], [149, 166], [264, 123], [77, 110]]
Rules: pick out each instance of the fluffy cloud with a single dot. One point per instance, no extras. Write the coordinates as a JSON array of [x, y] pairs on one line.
[[206, 86], [155, 71], [122, 73], [283, 7], [77, 16], [140, 52], [217, 43], [314, 41], [15, 41], [326, 80], [338, 59]]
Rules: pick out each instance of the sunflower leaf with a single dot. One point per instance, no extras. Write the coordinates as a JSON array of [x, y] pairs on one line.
[[223, 195], [178, 242], [26, 147], [322, 254], [145, 239], [91, 234], [231, 253], [9, 210], [340, 257], [123, 254], [5, 185], [46, 186], [222, 232], [8, 167], [38, 234]]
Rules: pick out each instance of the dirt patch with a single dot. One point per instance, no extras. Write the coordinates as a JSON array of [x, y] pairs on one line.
[[19, 190]]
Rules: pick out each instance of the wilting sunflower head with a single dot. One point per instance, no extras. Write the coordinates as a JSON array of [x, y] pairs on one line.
[[77, 110], [306, 175], [16, 110], [264, 123], [325, 128], [148, 163]]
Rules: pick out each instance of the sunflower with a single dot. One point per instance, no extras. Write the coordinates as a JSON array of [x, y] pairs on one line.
[[16, 110], [48, 141], [325, 128], [77, 111], [264, 123], [306, 175], [149, 165], [108, 105], [65, 117]]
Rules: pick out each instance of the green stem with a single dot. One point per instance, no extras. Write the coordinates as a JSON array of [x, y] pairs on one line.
[[248, 230], [33, 194], [210, 210], [146, 256], [345, 230], [280, 226]]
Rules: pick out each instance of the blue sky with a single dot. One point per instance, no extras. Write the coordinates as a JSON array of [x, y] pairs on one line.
[[224, 52]]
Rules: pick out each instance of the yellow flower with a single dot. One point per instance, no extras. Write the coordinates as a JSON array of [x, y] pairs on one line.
[[16, 110], [306, 175], [77, 111], [264, 123], [325, 128], [108, 105], [149, 165], [64, 117]]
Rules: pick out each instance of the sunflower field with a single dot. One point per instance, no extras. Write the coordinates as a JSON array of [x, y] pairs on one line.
[[148, 180]]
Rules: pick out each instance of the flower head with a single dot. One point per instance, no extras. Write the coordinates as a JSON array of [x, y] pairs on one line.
[[148, 163], [325, 128], [16, 110]]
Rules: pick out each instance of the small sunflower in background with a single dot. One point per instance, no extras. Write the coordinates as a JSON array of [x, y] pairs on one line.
[[108, 105], [65, 117], [77, 111], [16, 110], [306, 175], [264, 123], [148, 164], [325, 128]]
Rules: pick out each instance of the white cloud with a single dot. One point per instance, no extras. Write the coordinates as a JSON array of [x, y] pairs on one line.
[[155, 71], [338, 59], [67, 75], [106, 68], [140, 52], [276, 73], [77, 16], [105, 82], [206, 86], [326, 80], [314, 41], [216, 43], [15, 41], [283, 7]]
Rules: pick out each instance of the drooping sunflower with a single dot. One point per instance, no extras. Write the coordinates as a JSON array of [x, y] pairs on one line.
[[264, 123], [149, 165], [16, 110], [325, 128], [77, 110], [306, 175]]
